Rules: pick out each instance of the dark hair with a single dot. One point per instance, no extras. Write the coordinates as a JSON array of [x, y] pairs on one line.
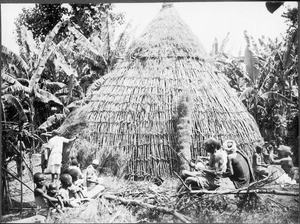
[[74, 162], [66, 180], [74, 174], [37, 177], [52, 186], [211, 144]]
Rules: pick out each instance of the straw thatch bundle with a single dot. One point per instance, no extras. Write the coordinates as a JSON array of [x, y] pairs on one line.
[[133, 109]]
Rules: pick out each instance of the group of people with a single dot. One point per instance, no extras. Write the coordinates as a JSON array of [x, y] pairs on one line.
[[70, 190], [67, 189], [227, 161]]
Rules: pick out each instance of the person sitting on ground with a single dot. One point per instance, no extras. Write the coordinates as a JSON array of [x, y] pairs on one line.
[[208, 177], [239, 169], [75, 165], [67, 194], [260, 168], [40, 193], [52, 191], [91, 175], [284, 159], [77, 187], [55, 145]]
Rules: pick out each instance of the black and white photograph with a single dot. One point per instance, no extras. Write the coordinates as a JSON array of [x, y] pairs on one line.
[[149, 112]]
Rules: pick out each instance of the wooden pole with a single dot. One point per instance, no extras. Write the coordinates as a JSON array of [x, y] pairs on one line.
[[5, 170], [21, 177]]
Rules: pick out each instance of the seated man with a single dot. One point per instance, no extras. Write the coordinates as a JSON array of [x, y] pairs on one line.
[[259, 166], [208, 177], [284, 159], [239, 169], [91, 175]]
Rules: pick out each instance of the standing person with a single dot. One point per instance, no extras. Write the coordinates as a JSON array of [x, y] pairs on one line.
[[239, 169], [259, 165], [209, 177], [91, 174], [55, 145]]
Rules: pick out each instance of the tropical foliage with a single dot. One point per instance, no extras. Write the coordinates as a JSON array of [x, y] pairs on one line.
[[54, 68], [265, 79]]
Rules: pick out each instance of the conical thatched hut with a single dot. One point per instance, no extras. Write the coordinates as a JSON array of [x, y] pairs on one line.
[[134, 109]]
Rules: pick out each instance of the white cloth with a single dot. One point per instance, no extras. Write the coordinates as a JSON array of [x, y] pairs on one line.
[[56, 147]]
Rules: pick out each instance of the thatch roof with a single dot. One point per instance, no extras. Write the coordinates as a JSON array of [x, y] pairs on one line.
[[134, 109]]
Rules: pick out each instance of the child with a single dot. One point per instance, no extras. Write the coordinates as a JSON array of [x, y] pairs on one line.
[[259, 165], [52, 191], [40, 193], [68, 196]]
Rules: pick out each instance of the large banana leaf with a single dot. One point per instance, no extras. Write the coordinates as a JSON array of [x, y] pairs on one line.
[[251, 65], [17, 104], [45, 53], [52, 120], [12, 85], [9, 57], [46, 97], [85, 43], [63, 64], [224, 43], [28, 46]]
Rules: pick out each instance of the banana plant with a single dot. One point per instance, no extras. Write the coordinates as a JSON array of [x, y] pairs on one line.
[[266, 79]]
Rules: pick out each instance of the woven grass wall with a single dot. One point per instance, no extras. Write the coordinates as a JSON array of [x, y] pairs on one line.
[[134, 110]]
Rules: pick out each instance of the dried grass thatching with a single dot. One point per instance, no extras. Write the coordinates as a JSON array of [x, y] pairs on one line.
[[134, 108]]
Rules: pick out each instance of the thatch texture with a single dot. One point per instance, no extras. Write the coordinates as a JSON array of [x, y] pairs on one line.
[[134, 108]]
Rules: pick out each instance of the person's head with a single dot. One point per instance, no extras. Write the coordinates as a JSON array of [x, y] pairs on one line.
[[74, 173], [39, 179], [229, 146], [284, 151], [74, 162], [211, 145], [66, 180], [95, 163], [52, 188], [258, 148]]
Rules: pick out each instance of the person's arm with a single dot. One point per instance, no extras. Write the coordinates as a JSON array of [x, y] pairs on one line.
[[41, 192]]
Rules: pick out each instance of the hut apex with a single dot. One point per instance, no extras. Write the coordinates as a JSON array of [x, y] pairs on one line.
[[132, 120]]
